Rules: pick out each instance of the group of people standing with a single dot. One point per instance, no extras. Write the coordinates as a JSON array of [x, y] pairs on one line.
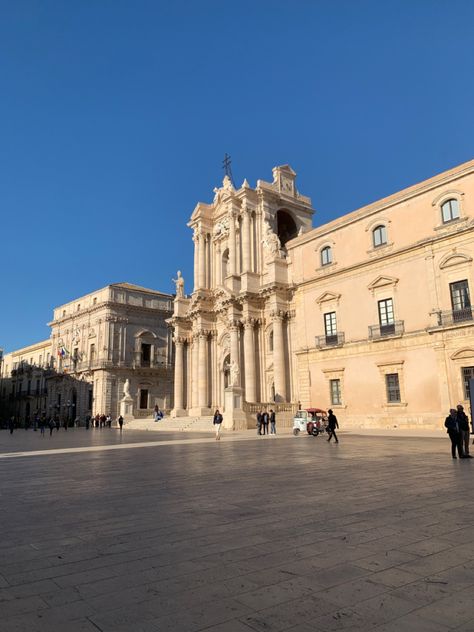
[[457, 427], [265, 419]]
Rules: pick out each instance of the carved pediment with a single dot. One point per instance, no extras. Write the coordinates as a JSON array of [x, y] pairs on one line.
[[463, 354], [454, 259], [327, 296], [382, 281]]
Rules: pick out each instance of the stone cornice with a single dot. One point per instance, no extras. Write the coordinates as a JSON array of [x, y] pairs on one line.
[[383, 204], [118, 307]]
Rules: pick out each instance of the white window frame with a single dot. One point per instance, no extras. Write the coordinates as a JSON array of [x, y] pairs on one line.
[[326, 256], [381, 230], [445, 218]]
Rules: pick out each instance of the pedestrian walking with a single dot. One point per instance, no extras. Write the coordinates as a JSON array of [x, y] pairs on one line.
[[452, 428], [463, 424], [120, 422], [217, 421], [88, 421], [332, 425], [272, 422], [11, 424], [259, 422], [51, 427], [57, 423], [265, 420], [42, 424]]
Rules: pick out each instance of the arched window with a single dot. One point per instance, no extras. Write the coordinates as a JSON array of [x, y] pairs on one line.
[[379, 236], [326, 256], [286, 227], [450, 210]]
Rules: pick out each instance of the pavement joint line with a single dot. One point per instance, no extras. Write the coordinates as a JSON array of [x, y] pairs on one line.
[[123, 446]]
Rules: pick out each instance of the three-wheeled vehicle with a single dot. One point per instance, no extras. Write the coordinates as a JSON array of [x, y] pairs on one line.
[[311, 420]]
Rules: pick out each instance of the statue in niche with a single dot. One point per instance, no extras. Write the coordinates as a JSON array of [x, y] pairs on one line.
[[126, 388], [234, 373], [179, 282], [271, 243]]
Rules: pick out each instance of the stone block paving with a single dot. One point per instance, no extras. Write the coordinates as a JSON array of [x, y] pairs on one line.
[[264, 534]]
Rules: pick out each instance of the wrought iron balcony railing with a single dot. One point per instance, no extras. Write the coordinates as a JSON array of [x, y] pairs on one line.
[[454, 316], [334, 340], [376, 332]]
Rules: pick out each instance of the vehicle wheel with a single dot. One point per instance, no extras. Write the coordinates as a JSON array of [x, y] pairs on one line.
[[296, 431]]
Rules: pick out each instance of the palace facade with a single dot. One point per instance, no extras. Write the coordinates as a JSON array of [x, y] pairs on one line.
[[369, 314], [97, 342]]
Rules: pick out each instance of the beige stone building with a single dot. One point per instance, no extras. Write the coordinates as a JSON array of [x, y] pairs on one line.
[[369, 314], [97, 342], [23, 381]]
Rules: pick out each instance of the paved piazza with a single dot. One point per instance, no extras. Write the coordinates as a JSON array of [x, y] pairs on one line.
[[183, 533]]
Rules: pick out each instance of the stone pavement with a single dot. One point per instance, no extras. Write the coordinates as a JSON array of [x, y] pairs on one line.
[[245, 534]]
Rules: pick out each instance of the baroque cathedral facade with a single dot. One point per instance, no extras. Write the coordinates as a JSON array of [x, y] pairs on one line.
[[369, 314]]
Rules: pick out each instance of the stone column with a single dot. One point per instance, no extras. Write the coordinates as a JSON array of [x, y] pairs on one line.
[[278, 357], [178, 374], [218, 265], [202, 370], [196, 260], [194, 372], [234, 346], [232, 244], [202, 261], [249, 360], [245, 236]]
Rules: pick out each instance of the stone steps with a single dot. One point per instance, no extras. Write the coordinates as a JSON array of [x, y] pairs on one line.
[[170, 424]]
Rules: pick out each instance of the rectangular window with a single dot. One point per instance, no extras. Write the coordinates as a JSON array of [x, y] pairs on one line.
[[393, 388], [143, 398], [146, 354], [28, 388], [37, 387], [92, 354], [330, 325], [460, 301], [330, 328], [386, 317], [467, 374], [335, 392]]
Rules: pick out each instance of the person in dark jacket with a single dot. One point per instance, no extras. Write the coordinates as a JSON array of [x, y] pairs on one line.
[[265, 422], [452, 428], [332, 425], [259, 422], [463, 424], [217, 421], [272, 422]]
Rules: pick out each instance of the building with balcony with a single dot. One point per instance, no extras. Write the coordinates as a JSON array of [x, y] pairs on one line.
[[384, 330], [23, 381], [369, 314], [97, 342]]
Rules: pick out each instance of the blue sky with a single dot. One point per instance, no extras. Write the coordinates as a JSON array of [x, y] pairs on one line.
[[115, 116]]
